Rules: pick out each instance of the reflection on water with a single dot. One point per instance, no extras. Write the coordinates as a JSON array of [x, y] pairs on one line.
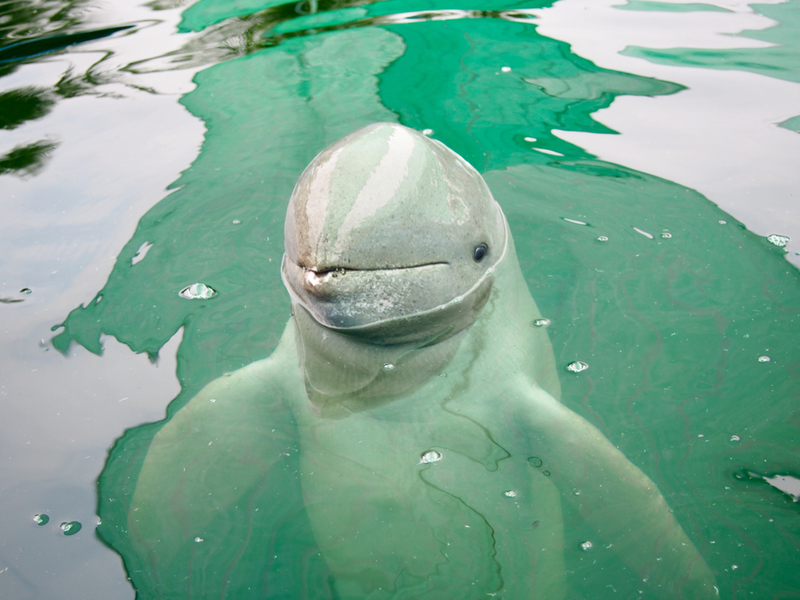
[[672, 325]]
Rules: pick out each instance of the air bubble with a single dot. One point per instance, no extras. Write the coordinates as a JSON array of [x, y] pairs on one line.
[[198, 540], [506, 69], [428, 132], [197, 291], [723, 222], [388, 367], [530, 139], [535, 461], [778, 240], [577, 366], [26, 291], [431, 456], [510, 494], [586, 546], [540, 322], [236, 221], [644, 233], [602, 238], [764, 359], [546, 473], [666, 235], [735, 438], [71, 527], [536, 523], [41, 519]]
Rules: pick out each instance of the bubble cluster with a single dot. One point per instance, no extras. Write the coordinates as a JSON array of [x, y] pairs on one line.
[[778, 240]]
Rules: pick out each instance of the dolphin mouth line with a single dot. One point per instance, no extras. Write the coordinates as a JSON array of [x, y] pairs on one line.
[[316, 276], [327, 270]]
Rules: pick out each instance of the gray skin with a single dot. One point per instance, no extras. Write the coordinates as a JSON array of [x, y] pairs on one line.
[[403, 347]]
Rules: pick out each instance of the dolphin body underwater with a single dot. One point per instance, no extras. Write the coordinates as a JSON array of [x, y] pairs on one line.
[[418, 403]]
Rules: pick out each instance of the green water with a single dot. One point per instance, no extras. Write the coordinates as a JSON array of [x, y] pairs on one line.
[[671, 323]]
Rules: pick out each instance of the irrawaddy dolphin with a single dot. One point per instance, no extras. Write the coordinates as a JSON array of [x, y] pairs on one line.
[[410, 405]]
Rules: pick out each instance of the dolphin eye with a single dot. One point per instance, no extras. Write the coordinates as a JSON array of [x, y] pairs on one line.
[[479, 252]]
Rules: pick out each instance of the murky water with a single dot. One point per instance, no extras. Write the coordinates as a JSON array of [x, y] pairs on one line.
[[675, 327]]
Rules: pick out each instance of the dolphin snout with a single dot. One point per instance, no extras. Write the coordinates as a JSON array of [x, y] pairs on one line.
[[320, 282]]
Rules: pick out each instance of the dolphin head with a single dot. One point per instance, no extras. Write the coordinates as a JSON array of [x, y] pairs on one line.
[[392, 237]]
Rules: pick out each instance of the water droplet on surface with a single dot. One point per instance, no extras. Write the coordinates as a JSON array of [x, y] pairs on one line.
[[41, 519], [666, 235], [735, 438], [198, 539], [586, 546], [778, 240], [70, 528], [510, 494], [546, 151], [643, 232], [236, 221], [536, 523], [388, 367], [26, 291], [602, 238], [764, 359], [197, 291], [540, 322], [427, 132], [577, 366], [431, 456], [535, 461], [141, 253], [506, 69]]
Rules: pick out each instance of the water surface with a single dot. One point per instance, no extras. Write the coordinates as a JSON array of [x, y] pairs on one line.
[[672, 311]]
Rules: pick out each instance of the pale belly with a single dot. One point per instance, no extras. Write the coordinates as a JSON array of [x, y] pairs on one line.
[[416, 503]]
